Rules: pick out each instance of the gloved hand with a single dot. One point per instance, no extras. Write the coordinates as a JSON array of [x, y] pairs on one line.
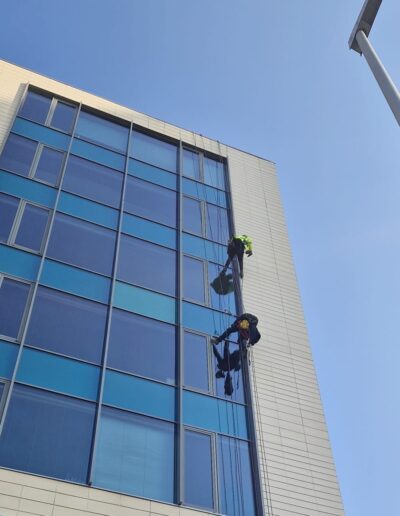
[[214, 340], [249, 253]]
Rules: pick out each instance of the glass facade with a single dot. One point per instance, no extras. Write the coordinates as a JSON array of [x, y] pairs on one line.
[[110, 239]]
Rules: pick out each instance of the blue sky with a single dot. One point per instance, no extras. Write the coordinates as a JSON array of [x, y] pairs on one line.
[[275, 78]]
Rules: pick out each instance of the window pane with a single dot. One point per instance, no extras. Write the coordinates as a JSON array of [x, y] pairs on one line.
[[235, 477], [191, 165], [49, 166], [142, 346], [198, 470], [196, 363], [154, 151], [217, 226], [35, 107], [32, 227], [13, 298], [193, 279], [68, 325], [82, 243], [105, 132], [47, 434], [150, 201], [147, 265], [214, 173], [8, 209], [135, 454], [227, 302], [63, 117], [237, 377], [93, 181], [192, 215], [18, 154], [2, 386]]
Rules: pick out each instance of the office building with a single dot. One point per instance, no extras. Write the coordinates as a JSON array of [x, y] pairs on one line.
[[113, 225]]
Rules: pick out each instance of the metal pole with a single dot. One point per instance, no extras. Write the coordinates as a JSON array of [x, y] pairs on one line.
[[386, 84]]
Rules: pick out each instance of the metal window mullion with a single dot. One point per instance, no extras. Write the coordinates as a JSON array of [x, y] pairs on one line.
[[35, 286], [50, 114], [96, 430]]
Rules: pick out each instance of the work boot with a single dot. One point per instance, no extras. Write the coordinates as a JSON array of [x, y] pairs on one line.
[[219, 374]]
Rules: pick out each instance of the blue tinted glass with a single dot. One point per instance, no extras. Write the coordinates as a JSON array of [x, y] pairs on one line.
[[49, 166], [83, 244], [191, 164], [204, 192], [226, 302], [217, 226], [198, 470], [195, 361], [67, 324], [98, 154], [27, 189], [192, 215], [35, 107], [8, 209], [93, 181], [135, 455], [145, 302], [214, 173], [204, 248], [142, 346], [236, 494], [147, 265], [41, 133], [18, 263], [63, 117], [154, 151], [237, 377], [150, 231], [105, 132], [32, 227], [155, 175], [88, 210], [13, 298], [47, 434], [59, 374], [193, 279], [205, 320], [18, 154], [139, 395], [8, 357], [2, 386], [150, 201]]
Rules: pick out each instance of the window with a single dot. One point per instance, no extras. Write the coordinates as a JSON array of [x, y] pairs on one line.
[[192, 216], [94, 181], [32, 227], [63, 117], [193, 279], [236, 494], [102, 131], [36, 107], [214, 173], [83, 244], [150, 201], [217, 225], [18, 154], [47, 434], [196, 361], [135, 455], [198, 470], [142, 346], [147, 265], [68, 325], [191, 164], [8, 210], [227, 302], [13, 298], [237, 377], [154, 151], [49, 166]]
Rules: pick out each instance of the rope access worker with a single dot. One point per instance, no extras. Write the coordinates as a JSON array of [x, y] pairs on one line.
[[237, 246], [246, 326]]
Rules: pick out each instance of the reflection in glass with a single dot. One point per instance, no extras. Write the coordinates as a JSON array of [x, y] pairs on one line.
[[193, 279], [35, 107], [142, 346], [225, 302], [196, 362], [217, 225], [32, 227], [198, 470], [64, 117], [191, 164], [49, 166], [18, 154], [104, 132], [8, 209], [47, 434], [214, 173], [154, 151], [135, 455], [67, 324], [192, 215], [13, 298]]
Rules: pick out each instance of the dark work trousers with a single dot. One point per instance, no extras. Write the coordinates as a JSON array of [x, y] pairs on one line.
[[235, 248], [229, 361]]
